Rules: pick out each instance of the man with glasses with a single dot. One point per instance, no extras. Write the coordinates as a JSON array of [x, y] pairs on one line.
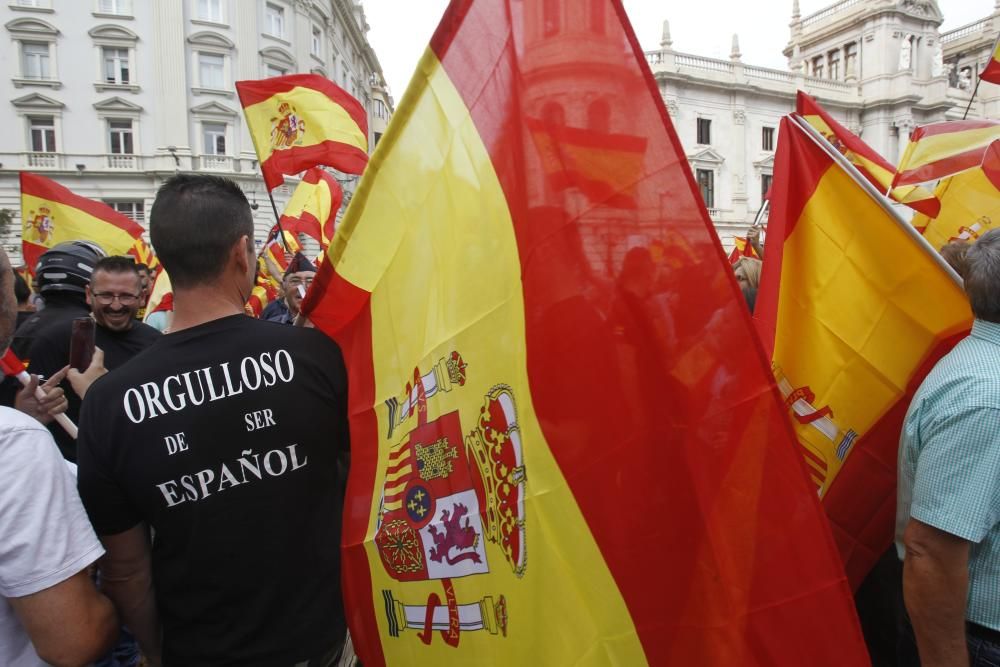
[[114, 296], [295, 282]]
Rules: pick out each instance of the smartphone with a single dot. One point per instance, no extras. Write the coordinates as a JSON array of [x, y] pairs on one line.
[[81, 343]]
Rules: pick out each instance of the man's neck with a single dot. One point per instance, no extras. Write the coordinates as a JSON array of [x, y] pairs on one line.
[[201, 304]]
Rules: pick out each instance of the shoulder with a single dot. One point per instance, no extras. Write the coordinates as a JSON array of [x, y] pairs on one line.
[[15, 421], [143, 331]]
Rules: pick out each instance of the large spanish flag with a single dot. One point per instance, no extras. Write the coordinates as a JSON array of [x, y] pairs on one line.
[[869, 163], [855, 308], [312, 208], [52, 214], [556, 457], [942, 149], [301, 120], [991, 72]]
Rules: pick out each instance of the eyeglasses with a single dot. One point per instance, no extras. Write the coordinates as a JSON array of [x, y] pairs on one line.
[[295, 282], [107, 298]]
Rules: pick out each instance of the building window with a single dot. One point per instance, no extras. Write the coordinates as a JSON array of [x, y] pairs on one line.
[[704, 131], [818, 67], [597, 16], [706, 183], [210, 10], [120, 7], [214, 135], [35, 60], [835, 64], [131, 209], [116, 65], [273, 70], [550, 17], [120, 135], [43, 134], [381, 110], [851, 59], [316, 45], [212, 70], [767, 139], [274, 20], [765, 185]]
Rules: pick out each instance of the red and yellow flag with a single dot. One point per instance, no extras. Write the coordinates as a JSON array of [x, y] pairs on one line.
[[942, 149], [872, 166], [742, 248], [52, 214], [855, 309], [299, 121], [991, 72], [556, 457], [271, 265], [312, 209], [161, 297], [970, 204]]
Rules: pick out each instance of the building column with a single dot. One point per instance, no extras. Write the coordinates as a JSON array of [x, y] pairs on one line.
[[170, 86]]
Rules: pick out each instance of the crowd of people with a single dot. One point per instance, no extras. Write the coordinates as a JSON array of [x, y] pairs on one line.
[[195, 519]]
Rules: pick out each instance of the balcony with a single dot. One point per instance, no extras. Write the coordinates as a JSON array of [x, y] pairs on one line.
[[216, 163], [42, 160], [123, 161]]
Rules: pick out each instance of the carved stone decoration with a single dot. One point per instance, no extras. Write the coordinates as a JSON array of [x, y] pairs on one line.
[[904, 53], [937, 65], [739, 116], [672, 108]]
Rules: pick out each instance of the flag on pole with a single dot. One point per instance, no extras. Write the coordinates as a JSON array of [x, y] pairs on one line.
[[742, 248], [970, 204], [299, 121], [869, 163], [942, 149], [52, 214], [312, 209], [991, 72], [855, 308], [161, 297], [556, 456]]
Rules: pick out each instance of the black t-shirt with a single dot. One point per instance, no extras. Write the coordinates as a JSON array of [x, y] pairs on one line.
[[49, 352], [226, 439]]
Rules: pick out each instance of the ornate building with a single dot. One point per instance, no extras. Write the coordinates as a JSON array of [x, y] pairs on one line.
[[111, 97], [881, 67]]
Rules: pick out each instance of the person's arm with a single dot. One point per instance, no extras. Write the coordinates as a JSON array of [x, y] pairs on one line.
[[70, 623], [81, 381], [127, 578], [935, 589]]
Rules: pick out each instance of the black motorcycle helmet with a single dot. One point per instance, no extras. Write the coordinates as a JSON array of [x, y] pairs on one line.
[[67, 267]]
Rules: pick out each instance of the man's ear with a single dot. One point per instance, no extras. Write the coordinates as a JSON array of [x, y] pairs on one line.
[[89, 298], [238, 254]]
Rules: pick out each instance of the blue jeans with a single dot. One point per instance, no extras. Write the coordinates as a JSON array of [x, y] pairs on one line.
[[983, 653]]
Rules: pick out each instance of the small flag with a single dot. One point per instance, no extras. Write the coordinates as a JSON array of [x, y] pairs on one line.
[[943, 149], [52, 214], [742, 248], [843, 310], [872, 166], [556, 458], [312, 209], [299, 121], [161, 297]]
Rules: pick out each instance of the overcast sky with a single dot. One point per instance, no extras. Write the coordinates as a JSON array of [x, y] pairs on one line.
[[401, 29]]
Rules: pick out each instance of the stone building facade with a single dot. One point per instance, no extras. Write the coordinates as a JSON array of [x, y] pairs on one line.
[[111, 97]]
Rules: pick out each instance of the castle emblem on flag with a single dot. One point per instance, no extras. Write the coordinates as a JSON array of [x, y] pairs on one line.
[[41, 225], [287, 127], [449, 494]]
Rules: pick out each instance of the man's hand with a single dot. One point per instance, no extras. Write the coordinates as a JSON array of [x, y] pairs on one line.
[[43, 409], [936, 588], [81, 381], [753, 236]]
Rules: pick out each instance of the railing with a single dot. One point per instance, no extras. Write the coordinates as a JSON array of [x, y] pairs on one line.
[[835, 8], [699, 62], [817, 82], [120, 161], [43, 160], [769, 74], [964, 31], [654, 57], [217, 162]]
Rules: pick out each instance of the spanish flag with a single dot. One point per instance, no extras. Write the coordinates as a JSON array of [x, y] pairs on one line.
[[312, 209], [855, 308], [991, 72], [556, 457], [162, 295], [970, 205], [303, 120], [870, 164], [942, 149], [51, 214], [742, 248]]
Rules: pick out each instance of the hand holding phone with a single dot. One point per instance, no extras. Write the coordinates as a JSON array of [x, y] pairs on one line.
[[81, 343]]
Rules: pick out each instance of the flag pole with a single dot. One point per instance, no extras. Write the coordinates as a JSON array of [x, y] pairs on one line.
[[277, 218], [974, 91]]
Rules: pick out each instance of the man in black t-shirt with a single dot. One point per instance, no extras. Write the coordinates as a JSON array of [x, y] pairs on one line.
[[113, 295], [225, 439]]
